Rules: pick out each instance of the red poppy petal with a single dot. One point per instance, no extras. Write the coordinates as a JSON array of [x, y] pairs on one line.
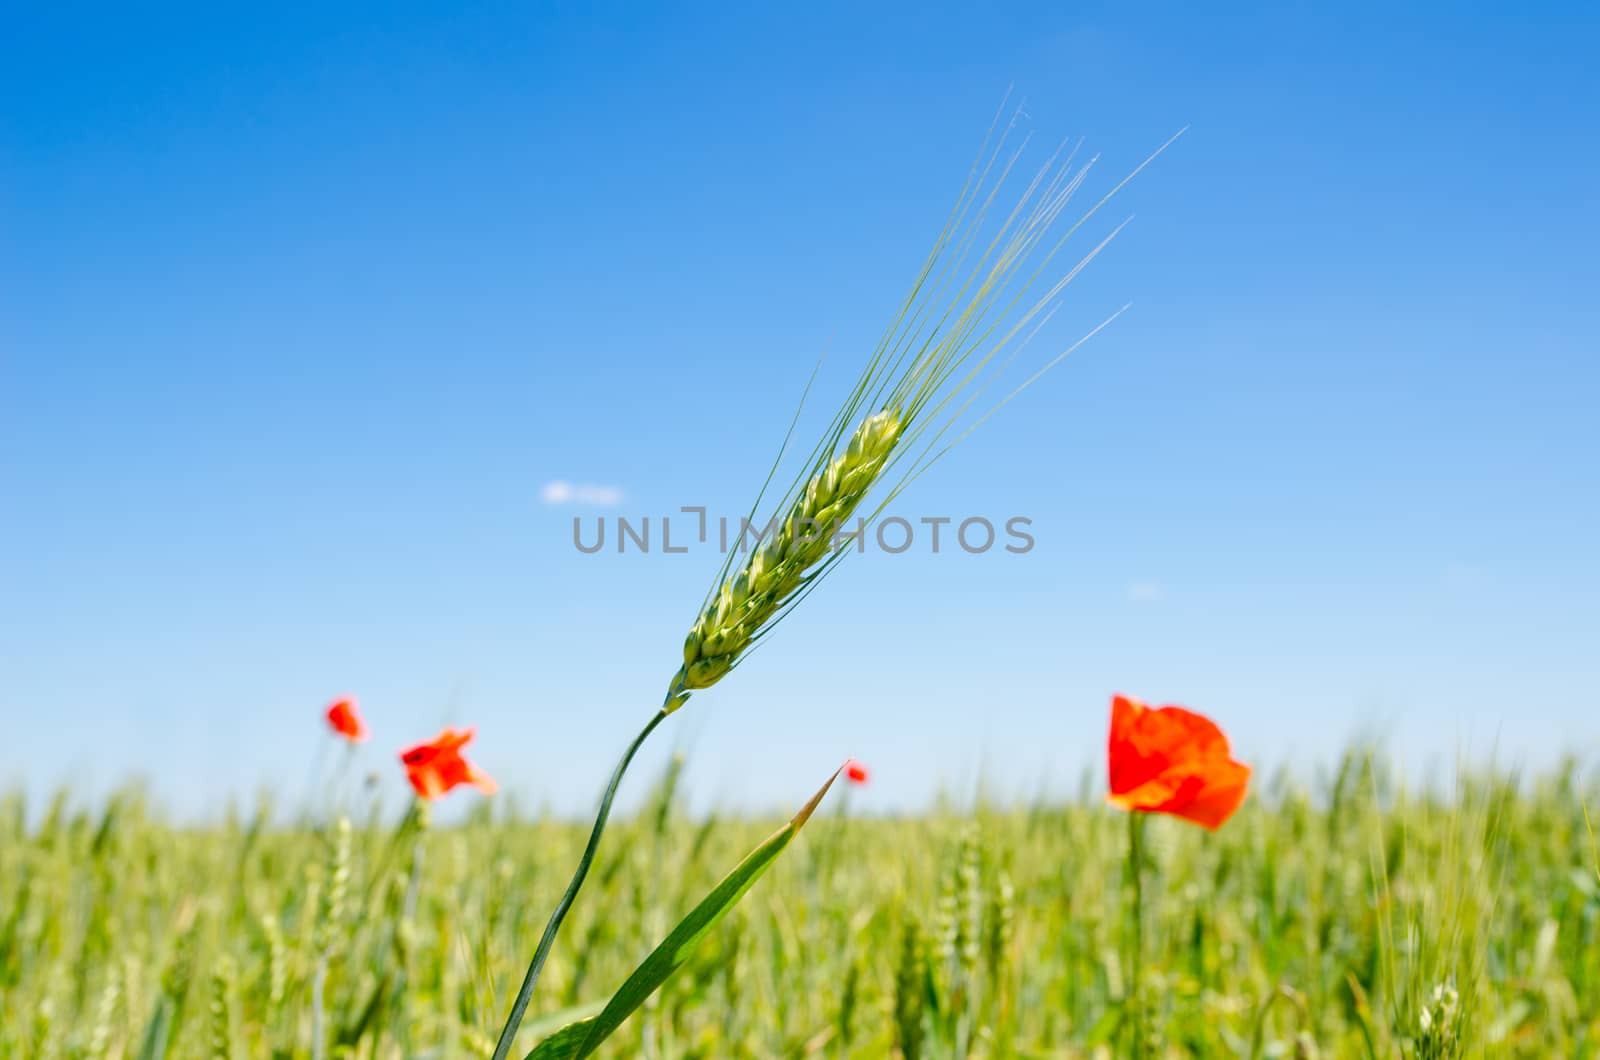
[[1222, 794], [1172, 761], [426, 782], [481, 780]]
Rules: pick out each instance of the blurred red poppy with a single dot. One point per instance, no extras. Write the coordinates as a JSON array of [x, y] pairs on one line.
[[435, 767], [344, 720], [855, 772], [1172, 761]]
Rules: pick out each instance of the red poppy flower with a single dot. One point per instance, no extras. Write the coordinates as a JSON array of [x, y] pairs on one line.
[[344, 720], [855, 772], [437, 766], [1172, 761]]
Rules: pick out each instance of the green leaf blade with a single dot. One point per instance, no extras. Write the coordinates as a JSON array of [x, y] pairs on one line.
[[579, 1040]]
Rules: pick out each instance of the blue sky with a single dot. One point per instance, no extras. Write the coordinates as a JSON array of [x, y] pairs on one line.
[[302, 310]]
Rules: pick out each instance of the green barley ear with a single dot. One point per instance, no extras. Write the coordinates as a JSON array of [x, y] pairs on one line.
[[330, 912], [44, 1039], [105, 1013], [1000, 924], [221, 1011], [277, 970], [849, 996], [329, 937], [1439, 1030], [970, 920], [947, 924], [999, 930], [981, 293], [175, 977], [776, 570], [910, 993], [13, 930], [965, 986]]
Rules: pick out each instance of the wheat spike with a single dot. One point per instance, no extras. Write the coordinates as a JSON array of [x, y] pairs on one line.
[[220, 1025], [970, 302], [777, 569]]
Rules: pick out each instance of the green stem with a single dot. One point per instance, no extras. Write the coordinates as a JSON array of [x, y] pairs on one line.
[[1136, 963], [407, 922], [319, 977], [520, 1006]]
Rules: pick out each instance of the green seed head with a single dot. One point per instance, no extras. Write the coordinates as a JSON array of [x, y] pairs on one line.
[[750, 598], [930, 364]]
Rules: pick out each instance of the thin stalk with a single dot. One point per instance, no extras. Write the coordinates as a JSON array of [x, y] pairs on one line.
[[1136, 963], [520, 1006], [1594, 846], [319, 976], [408, 919]]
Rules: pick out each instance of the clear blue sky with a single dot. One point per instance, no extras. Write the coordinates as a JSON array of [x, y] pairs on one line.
[[302, 309]]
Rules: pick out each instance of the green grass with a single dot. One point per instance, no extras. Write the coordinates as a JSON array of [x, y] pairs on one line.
[[1345, 918]]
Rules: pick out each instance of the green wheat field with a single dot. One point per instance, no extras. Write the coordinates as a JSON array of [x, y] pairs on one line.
[[1349, 917]]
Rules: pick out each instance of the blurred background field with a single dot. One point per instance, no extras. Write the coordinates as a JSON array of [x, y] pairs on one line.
[[1341, 918], [323, 327]]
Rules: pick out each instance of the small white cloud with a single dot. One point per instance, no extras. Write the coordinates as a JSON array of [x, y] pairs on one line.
[[1145, 592], [559, 492]]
